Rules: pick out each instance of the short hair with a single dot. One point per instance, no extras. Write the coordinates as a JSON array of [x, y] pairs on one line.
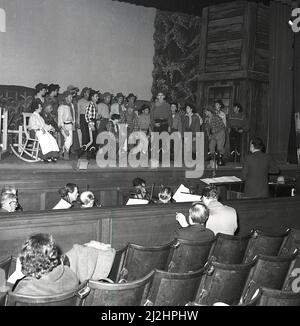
[[39, 255], [7, 197], [165, 193], [68, 188], [138, 182], [145, 106], [192, 106], [115, 117], [210, 191], [86, 197], [199, 213], [258, 143], [237, 104], [219, 102], [174, 103], [36, 104]]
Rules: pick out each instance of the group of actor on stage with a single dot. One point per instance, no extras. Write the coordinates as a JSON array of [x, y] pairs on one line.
[[71, 122]]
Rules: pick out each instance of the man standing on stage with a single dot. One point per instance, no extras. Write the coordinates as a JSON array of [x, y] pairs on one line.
[[257, 167], [66, 122]]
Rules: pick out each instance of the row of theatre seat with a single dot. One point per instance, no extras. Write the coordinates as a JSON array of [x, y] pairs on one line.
[[258, 269]]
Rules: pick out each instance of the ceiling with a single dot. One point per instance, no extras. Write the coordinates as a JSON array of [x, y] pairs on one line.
[[186, 6]]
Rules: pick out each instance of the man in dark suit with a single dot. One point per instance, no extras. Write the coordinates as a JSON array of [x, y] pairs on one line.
[[257, 167], [194, 229]]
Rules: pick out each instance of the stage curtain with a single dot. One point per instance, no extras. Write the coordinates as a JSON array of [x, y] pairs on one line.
[[281, 82], [176, 57]]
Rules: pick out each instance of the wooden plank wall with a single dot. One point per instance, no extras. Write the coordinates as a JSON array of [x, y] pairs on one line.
[[224, 37], [151, 225]]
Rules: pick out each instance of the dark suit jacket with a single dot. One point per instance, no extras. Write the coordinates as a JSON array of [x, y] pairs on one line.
[[257, 166], [194, 232]]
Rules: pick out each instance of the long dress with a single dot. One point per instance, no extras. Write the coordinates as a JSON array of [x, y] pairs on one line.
[[47, 142]]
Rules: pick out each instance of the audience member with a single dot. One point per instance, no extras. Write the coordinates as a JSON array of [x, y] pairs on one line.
[[194, 229], [41, 130], [165, 196], [8, 189], [256, 169], [9, 203], [222, 218], [139, 185], [87, 199], [69, 195], [43, 268]]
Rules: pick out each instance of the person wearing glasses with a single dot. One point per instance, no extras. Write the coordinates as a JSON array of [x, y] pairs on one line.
[[9, 203]]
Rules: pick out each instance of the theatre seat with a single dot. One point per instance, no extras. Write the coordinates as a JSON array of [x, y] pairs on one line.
[[8, 265], [117, 264], [272, 297], [223, 283], [269, 271], [264, 243], [71, 298], [187, 256], [292, 280], [119, 294], [229, 249], [290, 243], [173, 289], [140, 261]]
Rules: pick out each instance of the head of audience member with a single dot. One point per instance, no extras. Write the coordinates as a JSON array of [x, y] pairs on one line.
[[119, 98], [9, 202], [209, 193], [237, 108], [39, 255], [9, 189], [190, 109], [131, 98], [85, 93], [115, 118], [41, 89], [94, 96], [208, 111], [219, 105], [198, 214], [256, 144], [140, 186], [48, 109], [145, 108], [73, 90], [88, 199], [67, 97], [165, 195], [69, 192], [53, 90], [36, 106], [174, 107], [107, 98]]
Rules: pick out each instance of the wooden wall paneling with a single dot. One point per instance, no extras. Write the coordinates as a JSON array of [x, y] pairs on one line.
[[203, 42], [249, 29]]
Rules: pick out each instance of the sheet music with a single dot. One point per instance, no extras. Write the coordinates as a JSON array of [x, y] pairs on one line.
[[224, 179], [183, 195], [135, 201]]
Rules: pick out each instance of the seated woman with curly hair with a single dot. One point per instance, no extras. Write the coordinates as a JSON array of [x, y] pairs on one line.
[[43, 267]]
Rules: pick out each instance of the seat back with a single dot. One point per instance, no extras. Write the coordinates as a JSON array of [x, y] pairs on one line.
[[252, 301], [272, 297], [290, 243], [223, 283], [269, 271], [119, 294], [117, 264], [292, 280], [8, 265], [187, 256], [229, 249], [140, 261], [71, 298], [264, 243], [173, 289]]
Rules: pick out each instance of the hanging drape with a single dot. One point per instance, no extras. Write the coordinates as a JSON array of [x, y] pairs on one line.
[[281, 81]]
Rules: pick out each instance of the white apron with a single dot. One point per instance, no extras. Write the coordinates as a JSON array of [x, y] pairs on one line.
[[47, 142]]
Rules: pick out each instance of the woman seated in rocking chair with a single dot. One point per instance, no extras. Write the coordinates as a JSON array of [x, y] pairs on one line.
[[48, 144]]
